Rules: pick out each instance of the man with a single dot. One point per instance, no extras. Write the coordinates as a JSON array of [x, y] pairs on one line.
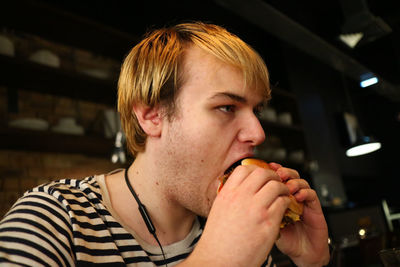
[[188, 99]]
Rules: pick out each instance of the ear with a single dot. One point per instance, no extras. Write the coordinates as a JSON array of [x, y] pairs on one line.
[[150, 119]]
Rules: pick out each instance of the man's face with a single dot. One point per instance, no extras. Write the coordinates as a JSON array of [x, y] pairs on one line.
[[214, 126]]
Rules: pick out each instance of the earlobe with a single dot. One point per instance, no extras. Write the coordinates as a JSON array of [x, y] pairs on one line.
[[149, 118]]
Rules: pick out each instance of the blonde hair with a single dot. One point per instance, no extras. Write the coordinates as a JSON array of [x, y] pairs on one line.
[[151, 73]]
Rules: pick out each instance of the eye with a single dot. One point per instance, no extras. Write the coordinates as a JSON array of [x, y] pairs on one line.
[[227, 108]]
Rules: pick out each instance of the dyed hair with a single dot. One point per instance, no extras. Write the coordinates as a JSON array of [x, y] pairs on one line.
[[152, 72]]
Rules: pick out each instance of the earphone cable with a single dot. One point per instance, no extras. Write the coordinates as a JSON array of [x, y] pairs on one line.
[[145, 215]]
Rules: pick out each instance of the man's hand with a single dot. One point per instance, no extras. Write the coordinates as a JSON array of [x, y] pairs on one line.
[[305, 242], [243, 223]]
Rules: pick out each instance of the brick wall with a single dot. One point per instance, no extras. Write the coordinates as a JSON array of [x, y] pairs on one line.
[[21, 170]]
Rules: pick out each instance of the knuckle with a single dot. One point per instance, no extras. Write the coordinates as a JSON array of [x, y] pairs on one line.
[[283, 200], [278, 186], [267, 173], [287, 173]]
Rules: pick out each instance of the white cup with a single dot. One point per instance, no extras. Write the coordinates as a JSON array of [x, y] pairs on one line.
[[279, 154], [68, 125], [296, 156], [285, 118], [6, 46], [268, 114], [45, 57]]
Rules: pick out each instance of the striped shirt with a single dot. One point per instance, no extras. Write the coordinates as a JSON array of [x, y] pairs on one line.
[[71, 222]]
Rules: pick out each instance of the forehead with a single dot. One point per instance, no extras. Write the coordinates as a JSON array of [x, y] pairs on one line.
[[239, 55], [205, 75]]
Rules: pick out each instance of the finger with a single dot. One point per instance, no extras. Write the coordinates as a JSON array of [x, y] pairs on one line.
[[308, 196], [276, 210], [274, 166], [258, 178], [270, 191], [295, 185], [287, 173], [239, 174]]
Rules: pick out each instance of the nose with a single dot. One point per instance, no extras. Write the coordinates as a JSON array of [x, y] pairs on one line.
[[252, 131]]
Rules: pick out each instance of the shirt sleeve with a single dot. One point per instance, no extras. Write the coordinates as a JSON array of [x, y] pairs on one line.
[[36, 231]]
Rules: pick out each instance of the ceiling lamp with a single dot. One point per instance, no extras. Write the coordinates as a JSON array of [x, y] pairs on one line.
[[368, 79], [363, 145], [360, 25], [351, 39], [358, 143]]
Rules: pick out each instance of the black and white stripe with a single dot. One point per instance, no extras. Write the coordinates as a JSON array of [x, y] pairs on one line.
[[65, 223]]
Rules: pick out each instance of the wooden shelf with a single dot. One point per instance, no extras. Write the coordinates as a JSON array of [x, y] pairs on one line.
[[23, 74], [46, 141], [33, 17], [291, 136]]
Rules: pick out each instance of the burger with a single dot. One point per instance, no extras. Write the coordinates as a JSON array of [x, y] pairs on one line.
[[295, 209]]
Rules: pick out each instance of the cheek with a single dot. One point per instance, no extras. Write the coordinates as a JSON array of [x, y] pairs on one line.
[[202, 137]]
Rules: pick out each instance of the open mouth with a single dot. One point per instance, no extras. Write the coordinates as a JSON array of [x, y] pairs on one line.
[[233, 166], [227, 173]]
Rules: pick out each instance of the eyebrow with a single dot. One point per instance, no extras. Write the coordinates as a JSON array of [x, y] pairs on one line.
[[232, 96], [235, 97]]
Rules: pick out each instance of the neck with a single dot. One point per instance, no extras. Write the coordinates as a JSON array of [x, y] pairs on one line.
[[171, 221]]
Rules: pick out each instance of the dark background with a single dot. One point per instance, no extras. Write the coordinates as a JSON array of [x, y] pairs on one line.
[[299, 42]]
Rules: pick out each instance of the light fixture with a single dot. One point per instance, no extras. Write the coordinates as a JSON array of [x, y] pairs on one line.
[[363, 145], [368, 79], [369, 82], [351, 39], [360, 25], [358, 142]]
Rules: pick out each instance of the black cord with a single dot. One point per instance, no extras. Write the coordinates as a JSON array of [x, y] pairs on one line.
[[145, 215]]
